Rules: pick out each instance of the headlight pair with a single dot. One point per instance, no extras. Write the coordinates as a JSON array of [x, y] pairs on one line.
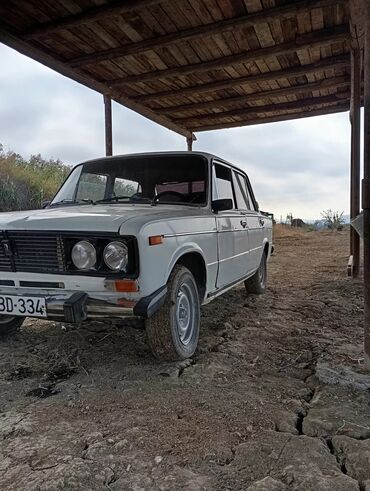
[[115, 255]]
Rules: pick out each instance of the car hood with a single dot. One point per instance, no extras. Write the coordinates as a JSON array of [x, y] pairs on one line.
[[89, 218]]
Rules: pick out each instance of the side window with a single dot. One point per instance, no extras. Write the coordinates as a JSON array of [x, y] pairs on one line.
[[91, 186], [125, 187], [223, 183], [246, 191], [242, 200]]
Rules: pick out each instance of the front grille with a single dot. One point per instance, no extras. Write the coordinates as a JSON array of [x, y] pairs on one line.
[[32, 252], [5, 263]]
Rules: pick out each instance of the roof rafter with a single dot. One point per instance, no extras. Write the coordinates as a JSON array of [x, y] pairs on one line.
[[338, 108], [85, 17], [324, 64], [326, 83], [262, 16], [283, 106], [321, 38]]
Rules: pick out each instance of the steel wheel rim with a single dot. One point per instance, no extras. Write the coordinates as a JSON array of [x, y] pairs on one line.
[[185, 313], [262, 273]]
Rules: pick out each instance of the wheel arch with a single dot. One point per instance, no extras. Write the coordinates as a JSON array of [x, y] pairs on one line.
[[193, 259]]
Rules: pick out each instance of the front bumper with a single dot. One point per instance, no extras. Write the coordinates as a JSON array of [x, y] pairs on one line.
[[79, 306]]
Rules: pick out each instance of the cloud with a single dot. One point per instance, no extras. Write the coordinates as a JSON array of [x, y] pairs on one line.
[[297, 166]]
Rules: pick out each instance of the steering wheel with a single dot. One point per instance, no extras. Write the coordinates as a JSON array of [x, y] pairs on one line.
[[176, 194]]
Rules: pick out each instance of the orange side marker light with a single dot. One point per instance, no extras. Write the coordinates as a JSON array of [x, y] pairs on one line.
[[156, 240]]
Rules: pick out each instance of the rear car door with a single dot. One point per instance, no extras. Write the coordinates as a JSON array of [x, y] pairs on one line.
[[254, 222], [232, 233]]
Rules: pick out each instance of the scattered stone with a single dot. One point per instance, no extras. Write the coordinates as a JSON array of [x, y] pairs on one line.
[[43, 391], [305, 394], [158, 459], [354, 455], [335, 411], [286, 422], [309, 477], [300, 462], [342, 376], [267, 484]]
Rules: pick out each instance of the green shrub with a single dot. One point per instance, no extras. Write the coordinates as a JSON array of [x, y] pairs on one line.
[[25, 184]]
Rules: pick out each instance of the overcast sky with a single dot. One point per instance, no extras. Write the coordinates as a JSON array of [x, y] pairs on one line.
[[297, 166]]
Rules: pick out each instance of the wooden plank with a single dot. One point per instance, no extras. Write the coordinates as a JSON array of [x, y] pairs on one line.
[[108, 126], [228, 25], [258, 96], [79, 76], [337, 61], [274, 119], [285, 106], [304, 41], [355, 154], [366, 185], [93, 14]]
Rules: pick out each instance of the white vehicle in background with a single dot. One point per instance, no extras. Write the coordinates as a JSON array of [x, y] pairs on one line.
[[153, 236]]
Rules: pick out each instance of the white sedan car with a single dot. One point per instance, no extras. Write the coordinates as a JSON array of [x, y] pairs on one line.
[[153, 236]]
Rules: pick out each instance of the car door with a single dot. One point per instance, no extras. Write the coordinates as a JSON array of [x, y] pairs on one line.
[[254, 222], [232, 232]]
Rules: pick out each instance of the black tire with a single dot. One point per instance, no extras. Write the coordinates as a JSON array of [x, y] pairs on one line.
[[173, 331], [257, 282], [9, 325]]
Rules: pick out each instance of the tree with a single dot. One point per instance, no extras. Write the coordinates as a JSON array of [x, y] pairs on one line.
[[333, 219]]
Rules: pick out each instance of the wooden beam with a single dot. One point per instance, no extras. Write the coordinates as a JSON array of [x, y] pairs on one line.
[[275, 119], [333, 62], [326, 83], [220, 27], [355, 155], [366, 187], [87, 16], [108, 126], [314, 39], [193, 121], [81, 77]]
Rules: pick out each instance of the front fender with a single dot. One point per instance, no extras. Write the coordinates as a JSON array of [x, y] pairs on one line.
[[181, 251]]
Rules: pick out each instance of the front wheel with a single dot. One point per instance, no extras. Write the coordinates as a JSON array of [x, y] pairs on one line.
[[257, 282], [9, 325], [173, 331]]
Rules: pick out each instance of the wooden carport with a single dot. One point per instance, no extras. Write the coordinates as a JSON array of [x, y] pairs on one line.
[[198, 65]]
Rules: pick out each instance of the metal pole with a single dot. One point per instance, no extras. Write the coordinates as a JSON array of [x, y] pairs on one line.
[[108, 126], [355, 154], [366, 187]]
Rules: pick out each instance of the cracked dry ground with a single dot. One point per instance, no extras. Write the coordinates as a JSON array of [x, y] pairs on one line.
[[275, 398]]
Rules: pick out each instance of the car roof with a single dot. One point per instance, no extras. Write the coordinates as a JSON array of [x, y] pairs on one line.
[[184, 153]]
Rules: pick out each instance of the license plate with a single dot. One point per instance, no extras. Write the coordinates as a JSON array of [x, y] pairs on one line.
[[23, 306]]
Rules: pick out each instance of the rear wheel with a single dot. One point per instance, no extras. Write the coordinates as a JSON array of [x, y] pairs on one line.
[[9, 325], [173, 331], [257, 282]]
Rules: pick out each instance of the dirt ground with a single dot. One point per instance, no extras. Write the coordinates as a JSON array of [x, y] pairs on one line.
[[275, 399]]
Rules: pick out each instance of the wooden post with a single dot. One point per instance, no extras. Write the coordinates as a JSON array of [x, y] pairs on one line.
[[355, 116], [108, 126], [366, 187], [189, 141]]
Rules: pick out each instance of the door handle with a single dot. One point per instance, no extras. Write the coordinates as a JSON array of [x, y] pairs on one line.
[[262, 222], [243, 223]]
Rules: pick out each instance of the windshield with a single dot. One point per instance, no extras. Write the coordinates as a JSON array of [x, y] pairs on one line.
[[168, 179]]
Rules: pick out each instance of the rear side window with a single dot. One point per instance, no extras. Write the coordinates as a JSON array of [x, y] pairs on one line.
[[242, 199], [223, 183]]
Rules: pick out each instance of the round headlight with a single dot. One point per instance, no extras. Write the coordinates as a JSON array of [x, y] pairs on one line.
[[84, 255], [116, 256]]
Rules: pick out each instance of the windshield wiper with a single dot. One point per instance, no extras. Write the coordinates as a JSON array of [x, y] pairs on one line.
[[128, 198], [72, 202]]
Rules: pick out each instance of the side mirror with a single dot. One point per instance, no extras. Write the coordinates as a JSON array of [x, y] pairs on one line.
[[45, 204], [222, 205]]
